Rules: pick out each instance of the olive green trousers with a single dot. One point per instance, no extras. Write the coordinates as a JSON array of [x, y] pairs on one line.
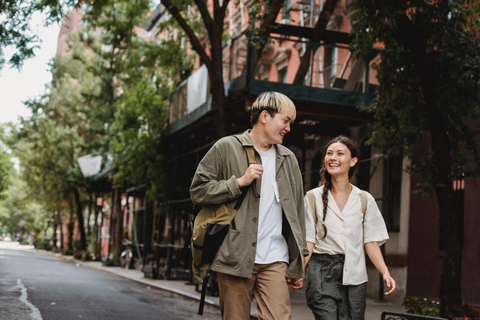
[[326, 296]]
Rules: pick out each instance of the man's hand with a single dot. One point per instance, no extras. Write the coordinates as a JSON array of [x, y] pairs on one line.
[[253, 172], [295, 283]]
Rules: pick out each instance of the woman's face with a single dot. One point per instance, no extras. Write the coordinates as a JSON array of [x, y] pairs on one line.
[[338, 159]]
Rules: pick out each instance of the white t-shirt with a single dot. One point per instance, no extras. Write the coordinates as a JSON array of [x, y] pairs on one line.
[[271, 245]]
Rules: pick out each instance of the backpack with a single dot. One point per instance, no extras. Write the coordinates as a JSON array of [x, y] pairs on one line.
[[311, 201], [209, 226]]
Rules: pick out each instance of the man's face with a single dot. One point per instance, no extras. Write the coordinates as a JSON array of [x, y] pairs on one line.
[[277, 127]]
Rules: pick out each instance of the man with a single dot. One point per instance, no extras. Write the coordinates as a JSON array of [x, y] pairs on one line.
[[263, 251]]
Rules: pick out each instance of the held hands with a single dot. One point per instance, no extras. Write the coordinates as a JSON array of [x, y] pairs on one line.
[[389, 283], [295, 283], [253, 172]]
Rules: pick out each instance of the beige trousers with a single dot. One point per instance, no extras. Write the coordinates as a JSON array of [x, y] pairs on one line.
[[269, 286]]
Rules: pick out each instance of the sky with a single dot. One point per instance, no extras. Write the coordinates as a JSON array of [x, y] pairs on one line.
[[18, 86]]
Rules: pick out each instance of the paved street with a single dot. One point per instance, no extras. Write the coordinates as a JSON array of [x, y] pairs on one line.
[[43, 287]]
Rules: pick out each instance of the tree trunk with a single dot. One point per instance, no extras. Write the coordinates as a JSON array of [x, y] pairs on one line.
[[90, 204], [60, 222], [70, 227], [450, 285], [99, 233], [81, 225], [217, 86], [54, 236], [118, 214], [94, 244], [318, 31]]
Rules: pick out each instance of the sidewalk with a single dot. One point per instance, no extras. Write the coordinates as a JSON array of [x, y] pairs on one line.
[[300, 310]]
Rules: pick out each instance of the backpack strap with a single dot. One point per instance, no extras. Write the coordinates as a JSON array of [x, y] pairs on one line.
[[363, 198], [204, 292], [313, 207], [249, 149], [251, 159]]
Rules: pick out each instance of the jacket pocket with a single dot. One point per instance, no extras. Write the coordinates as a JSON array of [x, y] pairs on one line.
[[230, 251]]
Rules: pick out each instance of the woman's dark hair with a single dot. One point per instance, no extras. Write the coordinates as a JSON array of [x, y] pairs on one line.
[[326, 178]]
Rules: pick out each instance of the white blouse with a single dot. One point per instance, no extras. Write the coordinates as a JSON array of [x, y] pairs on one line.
[[345, 234]]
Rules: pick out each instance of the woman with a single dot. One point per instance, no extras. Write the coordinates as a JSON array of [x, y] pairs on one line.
[[348, 226]]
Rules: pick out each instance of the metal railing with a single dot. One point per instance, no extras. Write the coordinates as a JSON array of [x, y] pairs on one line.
[[388, 315], [331, 67]]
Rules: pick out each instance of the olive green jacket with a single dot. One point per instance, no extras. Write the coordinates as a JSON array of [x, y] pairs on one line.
[[215, 183]]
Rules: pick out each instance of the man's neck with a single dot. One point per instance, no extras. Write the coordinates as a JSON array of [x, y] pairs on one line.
[[259, 141]]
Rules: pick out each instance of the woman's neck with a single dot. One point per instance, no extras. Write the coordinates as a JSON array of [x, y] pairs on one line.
[[340, 185]]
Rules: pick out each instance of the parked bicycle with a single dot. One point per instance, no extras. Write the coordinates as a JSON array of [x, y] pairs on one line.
[[126, 257]]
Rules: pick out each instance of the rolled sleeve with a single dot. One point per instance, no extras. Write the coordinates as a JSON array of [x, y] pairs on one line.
[[374, 228], [233, 188]]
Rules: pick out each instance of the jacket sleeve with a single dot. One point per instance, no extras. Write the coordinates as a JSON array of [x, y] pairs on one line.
[[209, 185]]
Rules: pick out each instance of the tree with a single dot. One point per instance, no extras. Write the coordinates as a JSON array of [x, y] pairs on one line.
[[427, 103], [105, 99], [111, 92], [15, 30], [131, 106], [21, 212], [6, 167], [46, 151]]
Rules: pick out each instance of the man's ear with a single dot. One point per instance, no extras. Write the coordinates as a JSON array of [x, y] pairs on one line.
[[263, 116]]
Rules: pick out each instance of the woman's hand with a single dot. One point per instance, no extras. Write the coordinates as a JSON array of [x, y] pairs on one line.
[[389, 283], [295, 283]]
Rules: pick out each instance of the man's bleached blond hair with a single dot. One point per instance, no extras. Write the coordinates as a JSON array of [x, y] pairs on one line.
[[273, 102]]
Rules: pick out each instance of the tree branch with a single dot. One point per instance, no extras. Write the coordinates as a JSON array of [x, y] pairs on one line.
[[219, 16], [195, 42], [318, 31], [207, 18], [224, 6], [267, 24]]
